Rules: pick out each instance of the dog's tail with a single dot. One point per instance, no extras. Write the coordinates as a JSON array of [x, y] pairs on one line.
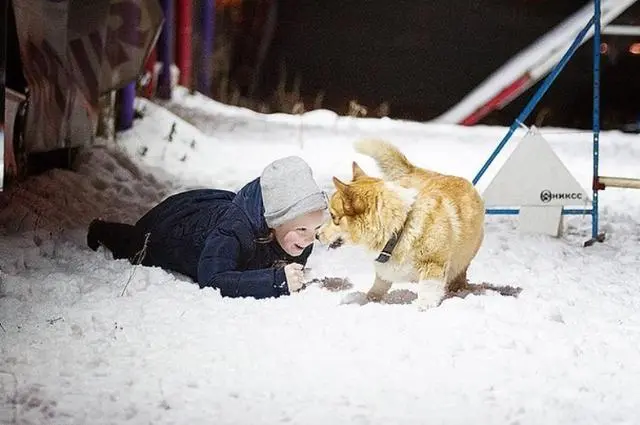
[[391, 161]]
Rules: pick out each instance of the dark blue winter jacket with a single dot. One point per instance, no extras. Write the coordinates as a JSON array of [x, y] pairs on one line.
[[214, 237]]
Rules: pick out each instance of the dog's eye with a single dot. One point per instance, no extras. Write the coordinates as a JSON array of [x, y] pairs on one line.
[[335, 219]]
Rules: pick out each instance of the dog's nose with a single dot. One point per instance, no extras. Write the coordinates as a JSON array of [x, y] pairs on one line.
[[317, 236]]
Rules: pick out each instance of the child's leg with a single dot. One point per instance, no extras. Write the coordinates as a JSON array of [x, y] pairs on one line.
[[119, 238]]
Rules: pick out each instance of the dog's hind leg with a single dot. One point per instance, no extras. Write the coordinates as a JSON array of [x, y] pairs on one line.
[[459, 283], [379, 289], [432, 286]]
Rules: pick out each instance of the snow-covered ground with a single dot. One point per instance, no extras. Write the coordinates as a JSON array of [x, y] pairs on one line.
[[75, 350]]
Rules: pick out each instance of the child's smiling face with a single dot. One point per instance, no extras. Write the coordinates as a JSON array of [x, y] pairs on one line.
[[297, 234]]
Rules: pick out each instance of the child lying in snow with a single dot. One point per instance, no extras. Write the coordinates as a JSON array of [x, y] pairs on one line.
[[251, 244]]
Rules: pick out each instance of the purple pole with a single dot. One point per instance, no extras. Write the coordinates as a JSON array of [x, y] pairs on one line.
[[165, 50], [127, 98], [207, 15]]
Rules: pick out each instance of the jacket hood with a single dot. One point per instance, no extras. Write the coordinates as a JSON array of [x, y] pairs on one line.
[[249, 200]]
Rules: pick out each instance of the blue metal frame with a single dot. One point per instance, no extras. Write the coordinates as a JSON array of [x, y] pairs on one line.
[[535, 99], [595, 21]]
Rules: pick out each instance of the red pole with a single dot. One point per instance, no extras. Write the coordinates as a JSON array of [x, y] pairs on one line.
[[183, 44]]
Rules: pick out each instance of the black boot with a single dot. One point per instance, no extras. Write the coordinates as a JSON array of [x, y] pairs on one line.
[[92, 235], [119, 238]]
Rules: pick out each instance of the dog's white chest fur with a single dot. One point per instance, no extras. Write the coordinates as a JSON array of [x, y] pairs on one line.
[[394, 272]]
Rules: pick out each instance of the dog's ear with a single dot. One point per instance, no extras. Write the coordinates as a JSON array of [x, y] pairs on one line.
[[340, 186], [345, 203], [357, 171], [350, 206], [346, 197], [352, 203]]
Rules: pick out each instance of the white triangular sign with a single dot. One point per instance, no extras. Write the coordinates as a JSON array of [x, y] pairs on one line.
[[533, 175]]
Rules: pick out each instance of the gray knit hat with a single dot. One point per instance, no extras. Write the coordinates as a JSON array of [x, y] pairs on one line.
[[289, 191]]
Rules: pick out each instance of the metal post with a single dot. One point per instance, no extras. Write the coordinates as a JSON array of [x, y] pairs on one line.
[[165, 51], [3, 63], [595, 236], [207, 25], [127, 101], [183, 45]]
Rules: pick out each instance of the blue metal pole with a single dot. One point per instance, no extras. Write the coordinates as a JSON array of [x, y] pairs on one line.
[[596, 117], [536, 98], [127, 100], [165, 51], [207, 17], [3, 64]]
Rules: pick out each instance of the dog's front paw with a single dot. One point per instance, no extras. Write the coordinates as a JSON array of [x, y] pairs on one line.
[[358, 298], [430, 294], [426, 303]]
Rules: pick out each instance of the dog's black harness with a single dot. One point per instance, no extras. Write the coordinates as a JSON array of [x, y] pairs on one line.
[[386, 252]]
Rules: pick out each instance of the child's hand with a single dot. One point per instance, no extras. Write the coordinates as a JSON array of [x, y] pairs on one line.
[[294, 275]]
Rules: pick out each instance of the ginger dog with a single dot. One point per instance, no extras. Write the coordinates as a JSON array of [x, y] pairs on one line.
[[427, 227]]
